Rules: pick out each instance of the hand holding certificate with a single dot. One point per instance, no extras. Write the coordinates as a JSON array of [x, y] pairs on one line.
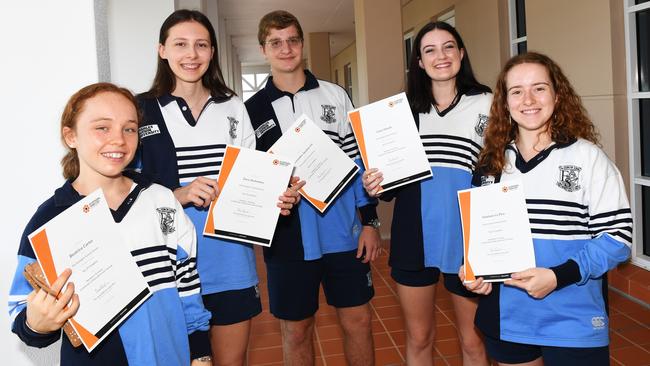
[[324, 167], [108, 282], [250, 183], [389, 141], [496, 231]]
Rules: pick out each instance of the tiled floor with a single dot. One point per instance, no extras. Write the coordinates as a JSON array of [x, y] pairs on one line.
[[629, 328]]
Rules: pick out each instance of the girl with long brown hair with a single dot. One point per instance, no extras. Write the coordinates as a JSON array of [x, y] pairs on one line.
[[539, 132]]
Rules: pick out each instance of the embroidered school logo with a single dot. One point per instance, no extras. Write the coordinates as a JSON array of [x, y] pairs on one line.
[[481, 124], [166, 215], [328, 113], [569, 178], [233, 127], [369, 276], [148, 130], [257, 291], [598, 322]]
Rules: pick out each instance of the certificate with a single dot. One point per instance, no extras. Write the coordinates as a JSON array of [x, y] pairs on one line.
[[496, 231], [250, 183], [324, 167], [389, 141], [110, 285]]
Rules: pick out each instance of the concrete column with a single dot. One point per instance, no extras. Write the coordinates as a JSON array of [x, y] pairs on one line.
[[319, 55], [378, 26]]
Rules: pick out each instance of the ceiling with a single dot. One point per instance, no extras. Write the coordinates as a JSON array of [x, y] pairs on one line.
[[242, 18]]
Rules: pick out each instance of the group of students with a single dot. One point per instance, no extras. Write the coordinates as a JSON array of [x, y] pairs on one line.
[[533, 127]]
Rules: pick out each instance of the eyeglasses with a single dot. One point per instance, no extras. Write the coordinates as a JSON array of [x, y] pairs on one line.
[[292, 42]]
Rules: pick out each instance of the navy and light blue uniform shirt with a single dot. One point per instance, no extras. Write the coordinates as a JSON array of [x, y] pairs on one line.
[[175, 149], [306, 234], [582, 227], [426, 230], [169, 328]]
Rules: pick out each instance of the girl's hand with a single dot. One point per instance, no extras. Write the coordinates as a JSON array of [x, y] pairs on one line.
[[478, 286], [291, 196], [537, 282], [372, 179], [46, 314], [369, 244], [200, 192]]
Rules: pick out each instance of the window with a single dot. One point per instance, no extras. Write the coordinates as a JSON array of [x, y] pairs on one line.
[[408, 48], [637, 45], [347, 78], [449, 18], [251, 83], [518, 40]]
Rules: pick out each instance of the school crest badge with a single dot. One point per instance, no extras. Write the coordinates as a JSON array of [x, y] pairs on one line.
[[481, 124], [569, 178], [166, 216], [328, 113], [233, 127]]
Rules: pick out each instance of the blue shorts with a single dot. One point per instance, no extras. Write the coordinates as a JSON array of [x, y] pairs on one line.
[[430, 276], [294, 285], [514, 353], [234, 306]]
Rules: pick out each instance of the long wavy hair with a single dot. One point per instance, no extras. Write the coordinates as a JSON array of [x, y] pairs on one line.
[[72, 110], [165, 81], [419, 88], [568, 122]]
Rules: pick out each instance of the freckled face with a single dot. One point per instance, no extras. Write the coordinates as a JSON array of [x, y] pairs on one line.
[[105, 135], [531, 97]]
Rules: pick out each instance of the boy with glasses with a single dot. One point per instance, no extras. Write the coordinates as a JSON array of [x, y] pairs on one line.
[[308, 247]]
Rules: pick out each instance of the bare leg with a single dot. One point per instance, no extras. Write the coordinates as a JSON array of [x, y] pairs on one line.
[[418, 307], [357, 335], [229, 343], [470, 339], [298, 342]]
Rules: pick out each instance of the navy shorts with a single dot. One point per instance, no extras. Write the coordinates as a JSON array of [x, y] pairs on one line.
[[430, 276], [294, 285], [514, 353], [234, 306]]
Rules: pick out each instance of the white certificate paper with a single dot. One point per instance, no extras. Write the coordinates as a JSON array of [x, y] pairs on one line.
[[324, 167], [389, 141], [110, 286], [496, 231], [250, 183]]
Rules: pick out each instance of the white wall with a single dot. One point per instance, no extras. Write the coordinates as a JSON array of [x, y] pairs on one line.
[[49, 52], [133, 28]]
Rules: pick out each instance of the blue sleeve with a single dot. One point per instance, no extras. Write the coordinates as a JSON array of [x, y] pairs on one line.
[[18, 292], [188, 283], [610, 223]]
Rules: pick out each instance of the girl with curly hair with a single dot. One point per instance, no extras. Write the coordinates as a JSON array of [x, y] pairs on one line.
[[539, 132]]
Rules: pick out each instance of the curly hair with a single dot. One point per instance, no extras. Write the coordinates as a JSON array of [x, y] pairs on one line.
[[569, 121]]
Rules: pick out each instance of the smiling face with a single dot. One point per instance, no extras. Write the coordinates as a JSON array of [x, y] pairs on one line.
[[188, 51], [440, 56], [105, 136], [531, 97], [288, 57]]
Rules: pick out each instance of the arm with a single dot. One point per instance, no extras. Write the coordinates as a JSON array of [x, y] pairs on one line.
[[189, 288], [610, 223]]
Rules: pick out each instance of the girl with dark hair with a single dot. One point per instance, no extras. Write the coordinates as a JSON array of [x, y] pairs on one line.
[[99, 129], [190, 115], [539, 132], [450, 108]]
